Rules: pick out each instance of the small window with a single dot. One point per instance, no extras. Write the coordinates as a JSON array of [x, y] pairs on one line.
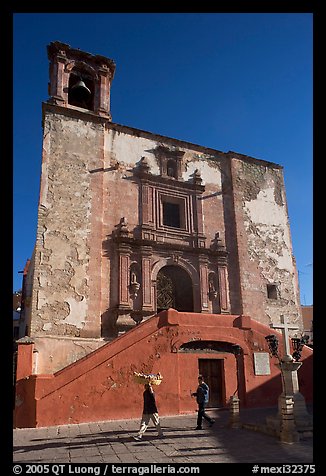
[[272, 292], [171, 167], [171, 214]]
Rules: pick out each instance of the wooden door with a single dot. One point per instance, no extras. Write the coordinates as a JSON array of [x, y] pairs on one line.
[[213, 372]]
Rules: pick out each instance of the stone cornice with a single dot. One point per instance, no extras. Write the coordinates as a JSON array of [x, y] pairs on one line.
[[168, 247], [212, 154], [168, 181], [56, 48], [73, 112]]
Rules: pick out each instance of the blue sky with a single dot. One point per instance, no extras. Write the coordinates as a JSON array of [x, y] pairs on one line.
[[229, 81]]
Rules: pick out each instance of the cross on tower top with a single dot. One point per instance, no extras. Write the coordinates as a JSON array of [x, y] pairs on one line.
[[284, 326]]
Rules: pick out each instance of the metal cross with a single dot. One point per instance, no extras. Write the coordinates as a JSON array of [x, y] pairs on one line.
[[284, 326]]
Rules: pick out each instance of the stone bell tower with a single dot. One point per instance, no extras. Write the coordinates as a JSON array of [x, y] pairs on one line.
[[66, 266], [80, 79]]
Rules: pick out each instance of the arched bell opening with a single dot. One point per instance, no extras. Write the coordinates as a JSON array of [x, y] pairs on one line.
[[81, 89], [174, 289]]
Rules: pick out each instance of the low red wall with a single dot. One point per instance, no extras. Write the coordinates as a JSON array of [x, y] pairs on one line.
[[100, 386]]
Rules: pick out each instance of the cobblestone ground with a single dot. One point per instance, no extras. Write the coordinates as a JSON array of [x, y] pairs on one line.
[[112, 442]]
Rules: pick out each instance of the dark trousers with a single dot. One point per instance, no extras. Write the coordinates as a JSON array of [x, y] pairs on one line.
[[202, 414]]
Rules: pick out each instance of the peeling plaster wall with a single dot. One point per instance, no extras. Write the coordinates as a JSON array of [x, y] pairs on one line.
[[71, 148], [209, 170], [53, 353], [123, 151], [128, 149], [268, 245], [88, 185]]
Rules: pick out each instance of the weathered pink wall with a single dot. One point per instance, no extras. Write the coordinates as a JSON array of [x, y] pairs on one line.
[[101, 387]]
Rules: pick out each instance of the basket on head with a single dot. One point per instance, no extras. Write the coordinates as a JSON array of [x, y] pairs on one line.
[[143, 379]]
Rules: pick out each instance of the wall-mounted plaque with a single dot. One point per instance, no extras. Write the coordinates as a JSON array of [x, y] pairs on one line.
[[262, 363]]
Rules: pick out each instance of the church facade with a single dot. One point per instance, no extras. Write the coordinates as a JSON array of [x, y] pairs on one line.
[[140, 235]]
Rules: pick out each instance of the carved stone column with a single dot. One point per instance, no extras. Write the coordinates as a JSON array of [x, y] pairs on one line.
[[221, 254], [288, 430], [198, 203], [124, 321], [124, 264], [147, 207], [147, 292], [223, 283], [203, 276], [104, 91], [303, 421], [57, 81]]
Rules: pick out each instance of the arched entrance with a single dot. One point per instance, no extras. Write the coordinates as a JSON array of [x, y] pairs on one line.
[[174, 289]]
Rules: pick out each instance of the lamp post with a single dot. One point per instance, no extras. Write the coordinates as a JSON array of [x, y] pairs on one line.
[[285, 420], [292, 412], [234, 420]]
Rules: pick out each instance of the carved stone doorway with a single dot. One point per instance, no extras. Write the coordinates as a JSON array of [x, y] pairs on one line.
[[174, 289]]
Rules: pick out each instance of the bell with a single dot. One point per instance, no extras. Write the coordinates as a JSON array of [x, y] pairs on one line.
[[80, 91]]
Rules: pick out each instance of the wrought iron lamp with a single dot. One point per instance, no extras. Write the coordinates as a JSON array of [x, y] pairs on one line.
[[272, 342], [297, 344]]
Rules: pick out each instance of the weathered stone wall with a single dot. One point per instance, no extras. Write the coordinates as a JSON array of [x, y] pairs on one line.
[[123, 151], [88, 184], [53, 353], [71, 149], [265, 248]]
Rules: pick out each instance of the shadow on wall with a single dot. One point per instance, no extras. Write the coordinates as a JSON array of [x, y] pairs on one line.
[[267, 393]]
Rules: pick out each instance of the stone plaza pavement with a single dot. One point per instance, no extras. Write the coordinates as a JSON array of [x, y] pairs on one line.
[[112, 442]]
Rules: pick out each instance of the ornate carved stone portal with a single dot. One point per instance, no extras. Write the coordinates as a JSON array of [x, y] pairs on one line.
[[164, 262]]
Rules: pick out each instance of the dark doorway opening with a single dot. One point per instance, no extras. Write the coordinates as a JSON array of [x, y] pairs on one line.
[[174, 289], [213, 372]]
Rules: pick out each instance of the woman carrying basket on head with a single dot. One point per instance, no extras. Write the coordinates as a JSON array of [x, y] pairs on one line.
[[150, 412]]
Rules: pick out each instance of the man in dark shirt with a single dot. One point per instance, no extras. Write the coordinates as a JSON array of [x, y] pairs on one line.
[[150, 412], [202, 397]]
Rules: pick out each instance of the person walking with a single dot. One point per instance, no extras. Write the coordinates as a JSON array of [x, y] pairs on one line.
[[150, 412], [202, 397]]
